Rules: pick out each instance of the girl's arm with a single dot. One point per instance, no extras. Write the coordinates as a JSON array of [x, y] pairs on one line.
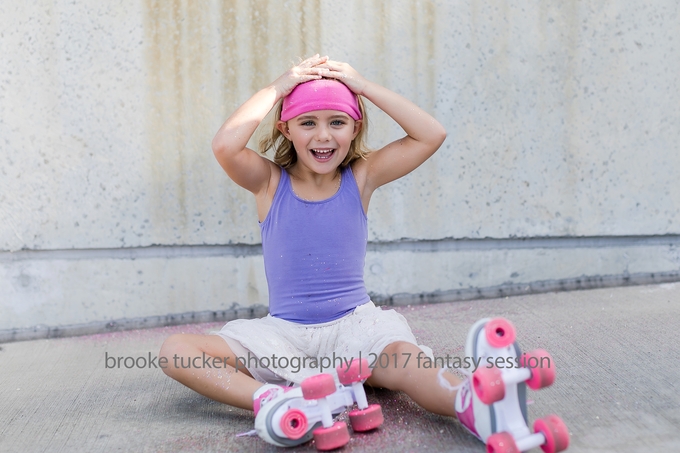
[[247, 168], [424, 133]]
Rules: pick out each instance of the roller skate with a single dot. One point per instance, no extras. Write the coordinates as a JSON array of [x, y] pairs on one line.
[[288, 417], [491, 403]]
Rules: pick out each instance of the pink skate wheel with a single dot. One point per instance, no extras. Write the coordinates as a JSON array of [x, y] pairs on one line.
[[542, 368], [501, 443], [319, 386], [499, 332], [555, 432], [488, 385], [357, 371], [294, 424], [331, 438], [367, 419]]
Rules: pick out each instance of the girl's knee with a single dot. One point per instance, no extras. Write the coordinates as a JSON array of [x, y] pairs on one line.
[[173, 346], [401, 351], [182, 351], [391, 377]]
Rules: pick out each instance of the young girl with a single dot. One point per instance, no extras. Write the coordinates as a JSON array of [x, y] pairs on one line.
[[312, 203]]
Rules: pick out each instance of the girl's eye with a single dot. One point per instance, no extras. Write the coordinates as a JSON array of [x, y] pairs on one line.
[[337, 122], [308, 123]]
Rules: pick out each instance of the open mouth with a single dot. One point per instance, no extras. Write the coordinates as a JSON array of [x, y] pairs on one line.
[[322, 154]]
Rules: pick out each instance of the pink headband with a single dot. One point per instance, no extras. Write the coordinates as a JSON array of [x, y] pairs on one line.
[[321, 94]]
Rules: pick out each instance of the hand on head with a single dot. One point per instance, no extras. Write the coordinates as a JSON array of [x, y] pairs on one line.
[[305, 71], [345, 74], [316, 67]]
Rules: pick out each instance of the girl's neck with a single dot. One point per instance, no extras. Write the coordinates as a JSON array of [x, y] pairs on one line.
[[312, 186]]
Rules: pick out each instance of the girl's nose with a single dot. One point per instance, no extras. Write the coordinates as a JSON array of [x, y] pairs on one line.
[[322, 133]]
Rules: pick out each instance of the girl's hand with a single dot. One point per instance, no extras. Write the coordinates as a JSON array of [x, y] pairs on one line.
[[305, 71], [346, 74]]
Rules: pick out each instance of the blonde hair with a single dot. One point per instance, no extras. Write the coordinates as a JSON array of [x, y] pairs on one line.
[[284, 152]]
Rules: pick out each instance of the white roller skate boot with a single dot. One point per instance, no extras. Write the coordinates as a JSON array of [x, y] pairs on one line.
[[491, 403], [292, 417]]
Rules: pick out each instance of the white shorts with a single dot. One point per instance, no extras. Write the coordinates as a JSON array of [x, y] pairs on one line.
[[281, 352]]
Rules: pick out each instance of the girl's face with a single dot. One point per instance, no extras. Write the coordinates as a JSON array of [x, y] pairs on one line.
[[321, 138]]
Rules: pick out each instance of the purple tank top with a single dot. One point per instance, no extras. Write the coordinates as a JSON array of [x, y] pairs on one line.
[[314, 253]]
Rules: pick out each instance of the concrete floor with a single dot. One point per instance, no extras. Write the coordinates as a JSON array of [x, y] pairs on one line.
[[617, 384]]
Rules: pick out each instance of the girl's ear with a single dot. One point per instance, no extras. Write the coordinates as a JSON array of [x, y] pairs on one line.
[[358, 124], [283, 128]]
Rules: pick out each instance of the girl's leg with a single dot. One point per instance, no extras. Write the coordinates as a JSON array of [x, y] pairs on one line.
[[206, 364], [419, 383]]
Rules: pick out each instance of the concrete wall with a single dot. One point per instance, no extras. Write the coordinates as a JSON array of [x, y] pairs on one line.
[[560, 166]]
